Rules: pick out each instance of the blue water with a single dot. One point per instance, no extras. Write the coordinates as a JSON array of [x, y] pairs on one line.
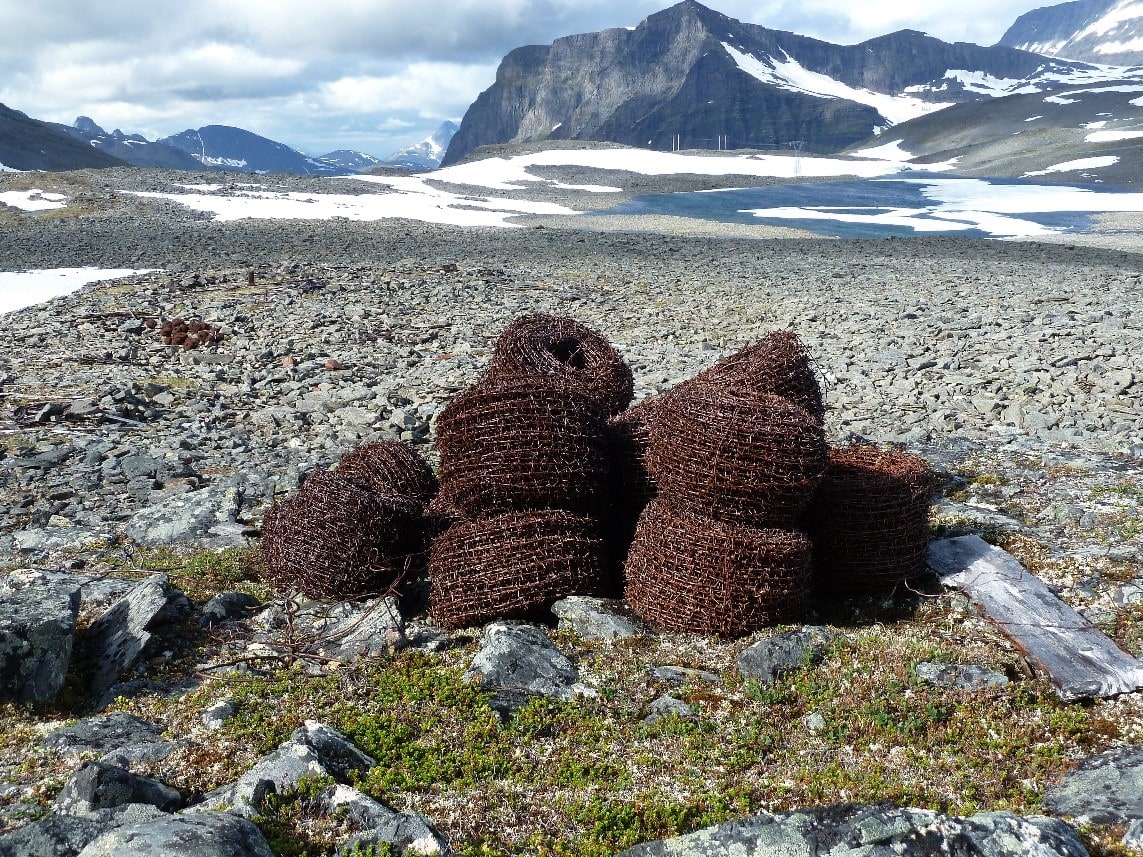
[[860, 197]]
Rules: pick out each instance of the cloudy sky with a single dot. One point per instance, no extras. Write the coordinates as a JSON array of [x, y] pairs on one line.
[[371, 75]]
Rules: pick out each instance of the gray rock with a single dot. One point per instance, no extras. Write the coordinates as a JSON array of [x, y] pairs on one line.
[[1133, 838], [108, 735], [960, 676], [208, 834], [116, 639], [313, 750], [518, 661], [187, 517], [782, 653], [67, 835], [227, 607], [55, 538], [681, 675], [93, 590], [215, 716], [347, 632], [403, 832], [97, 786], [665, 706], [1104, 789], [854, 830], [37, 634], [597, 618]]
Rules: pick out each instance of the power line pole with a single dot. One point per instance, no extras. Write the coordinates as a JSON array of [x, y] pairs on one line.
[[796, 145]]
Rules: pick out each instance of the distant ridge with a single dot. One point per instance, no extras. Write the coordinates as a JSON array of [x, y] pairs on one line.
[[29, 144], [1099, 31]]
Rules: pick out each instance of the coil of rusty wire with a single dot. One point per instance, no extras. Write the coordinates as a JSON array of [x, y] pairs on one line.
[[558, 346], [390, 467], [689, 573], [778, 364], [522, 442], [736, 456], [511, 566], [869, 519], [334, 539]]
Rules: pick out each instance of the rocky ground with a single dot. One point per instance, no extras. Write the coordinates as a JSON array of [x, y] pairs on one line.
[[1012, 366]]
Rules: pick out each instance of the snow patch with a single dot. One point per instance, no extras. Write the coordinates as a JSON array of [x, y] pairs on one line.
[[4, 169], [1127, 47], [33, 200], [1033, 118], [23, 289], [1120, 13], [982, 82], [890, 151], [793, 77], [1113, 136], [1073, 166], [1092, 126], [963, 204]]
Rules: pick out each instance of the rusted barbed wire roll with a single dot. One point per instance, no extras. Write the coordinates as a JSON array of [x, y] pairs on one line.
[[689, 573], [736, 456], [335, 539], [522, 442], [555, 345], [390, 467], [869, 520], [777, 364], [631, 487], [511, 566]]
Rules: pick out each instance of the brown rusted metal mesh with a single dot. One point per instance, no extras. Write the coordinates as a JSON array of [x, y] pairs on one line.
[[522, 442], [632, 486], [870, 521], [390, 467], [735, 455], [690, 573], [512, 566], [554, 345], [777, 364], [334, 539]]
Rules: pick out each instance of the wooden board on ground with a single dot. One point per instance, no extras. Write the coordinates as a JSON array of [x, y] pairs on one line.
[[1079, 659]]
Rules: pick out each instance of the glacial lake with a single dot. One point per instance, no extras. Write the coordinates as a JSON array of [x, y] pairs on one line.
[[900, 207]]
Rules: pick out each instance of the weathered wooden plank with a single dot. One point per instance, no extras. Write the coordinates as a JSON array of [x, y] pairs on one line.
[[1079, 659]]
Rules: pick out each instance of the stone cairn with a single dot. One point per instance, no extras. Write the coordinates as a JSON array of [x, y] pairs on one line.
[[735, 454], [353, 532], [524, 474]]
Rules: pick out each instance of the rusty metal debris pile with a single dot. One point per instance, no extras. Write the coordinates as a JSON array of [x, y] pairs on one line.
[[870, 521], [187, 334], [336, 539]]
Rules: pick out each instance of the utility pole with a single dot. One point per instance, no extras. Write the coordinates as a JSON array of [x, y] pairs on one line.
[[796, 145]]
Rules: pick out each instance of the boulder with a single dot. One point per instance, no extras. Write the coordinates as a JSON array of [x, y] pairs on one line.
[[379, 827], [42, 539], [783, 653], [313, 750], [597, 618], [118, 737], [116, 640], [37, 634], [67, 835], [97, 785], [190, 517], [873, 831], [1104, 789], [228, 607], [959, 676], [208, 834], [517, 662], [665, 706]]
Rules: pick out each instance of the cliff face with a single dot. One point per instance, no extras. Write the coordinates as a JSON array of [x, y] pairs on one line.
[[695, 73]]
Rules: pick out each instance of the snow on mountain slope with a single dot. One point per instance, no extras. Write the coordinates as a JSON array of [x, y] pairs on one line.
[[1101, 31], [790, 75]]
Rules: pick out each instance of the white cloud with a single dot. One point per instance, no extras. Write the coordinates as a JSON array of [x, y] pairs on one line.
[[418, 86]]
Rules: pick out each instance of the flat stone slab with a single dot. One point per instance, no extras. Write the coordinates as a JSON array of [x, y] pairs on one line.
[[1104, 789], [187, 517], [854, 830], [110, 734], [208, 834], [768, 659], [597, 618]]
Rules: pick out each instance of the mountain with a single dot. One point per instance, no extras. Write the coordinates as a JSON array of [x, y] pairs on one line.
[[1097, 31], [350, 161], [234, 149], [427, 154], [691, 77], [132, 148], [28, 144], [1075, 134]]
